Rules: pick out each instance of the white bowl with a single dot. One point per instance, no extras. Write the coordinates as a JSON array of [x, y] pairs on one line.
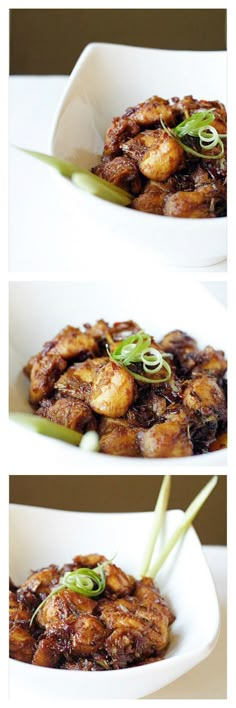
[[39, 310], [39, 537], [107, 79]]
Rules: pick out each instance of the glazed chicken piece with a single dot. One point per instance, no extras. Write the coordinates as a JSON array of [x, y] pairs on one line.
[[168, 439], [204, 397], [120, 130], [45, 368], [155, 626], [76, 636], [189, 105], [52, 646], [118, 583], [18, 613], [149, 597], [152, 198], [121, 171], [199, 204], [211, 361], [182, 346], [118, 437], [113, 391], [77, 381], [62, 605], [38, 585], [22, 643], [158, 155], [69, 412], [152, 110]]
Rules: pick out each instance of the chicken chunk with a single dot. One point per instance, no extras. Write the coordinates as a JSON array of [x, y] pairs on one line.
[[22, 643], [74, 414], [152, 198], [168, 439], [158, 155], [39, 583], [199, 204], [211, 361], [203, 396], [52, 646], [17, 611], [87, 635], [76, 382], [121, 171], [149, 597], [117, 437], [152, 110], [182, 346], [62, 605], [45, 368], [113, 391]]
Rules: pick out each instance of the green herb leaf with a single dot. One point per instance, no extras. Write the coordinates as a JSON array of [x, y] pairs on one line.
[[84, 179], [47, 427]]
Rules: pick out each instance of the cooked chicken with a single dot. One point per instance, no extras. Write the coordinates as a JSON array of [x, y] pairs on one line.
[[45, 368], [199, 204], [139, 147], [69, 412], [22, 644], [63, 604], [126, 625], [121, 171], [133, 417], [113, 391], [158, 155], [204, 396], [168, 439], [117, 437]]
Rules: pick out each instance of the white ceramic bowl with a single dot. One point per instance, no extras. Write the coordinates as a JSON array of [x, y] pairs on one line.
[[39, 310], [39, 537], [107, 79]]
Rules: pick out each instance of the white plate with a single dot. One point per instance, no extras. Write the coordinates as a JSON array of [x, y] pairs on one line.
[[107, 79], [184, 580], [39, 310]]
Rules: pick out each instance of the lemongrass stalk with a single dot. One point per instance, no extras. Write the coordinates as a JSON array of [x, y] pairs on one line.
[[47, 427], [159, 512], [190, 514], [84, 178]]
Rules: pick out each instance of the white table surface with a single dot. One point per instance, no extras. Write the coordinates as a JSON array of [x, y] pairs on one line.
[[208, 679], [35, 209]]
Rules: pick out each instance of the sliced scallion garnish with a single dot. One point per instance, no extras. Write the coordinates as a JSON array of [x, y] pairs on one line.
[[190, 514], [90, 582], [198, 125], [84, 179], [136, 349]]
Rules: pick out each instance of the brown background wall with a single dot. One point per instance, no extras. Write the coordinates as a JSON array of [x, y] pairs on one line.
[[50, 41], [123, 493]]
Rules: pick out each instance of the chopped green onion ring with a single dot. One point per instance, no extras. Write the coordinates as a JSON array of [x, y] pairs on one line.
[[198, 126], [136, 349]]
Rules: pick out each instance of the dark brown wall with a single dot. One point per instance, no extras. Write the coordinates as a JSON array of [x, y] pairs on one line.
[[123, 493], [50, 41]]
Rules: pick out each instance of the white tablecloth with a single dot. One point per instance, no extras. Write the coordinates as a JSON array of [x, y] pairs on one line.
[[37, 218], [208, 679]]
